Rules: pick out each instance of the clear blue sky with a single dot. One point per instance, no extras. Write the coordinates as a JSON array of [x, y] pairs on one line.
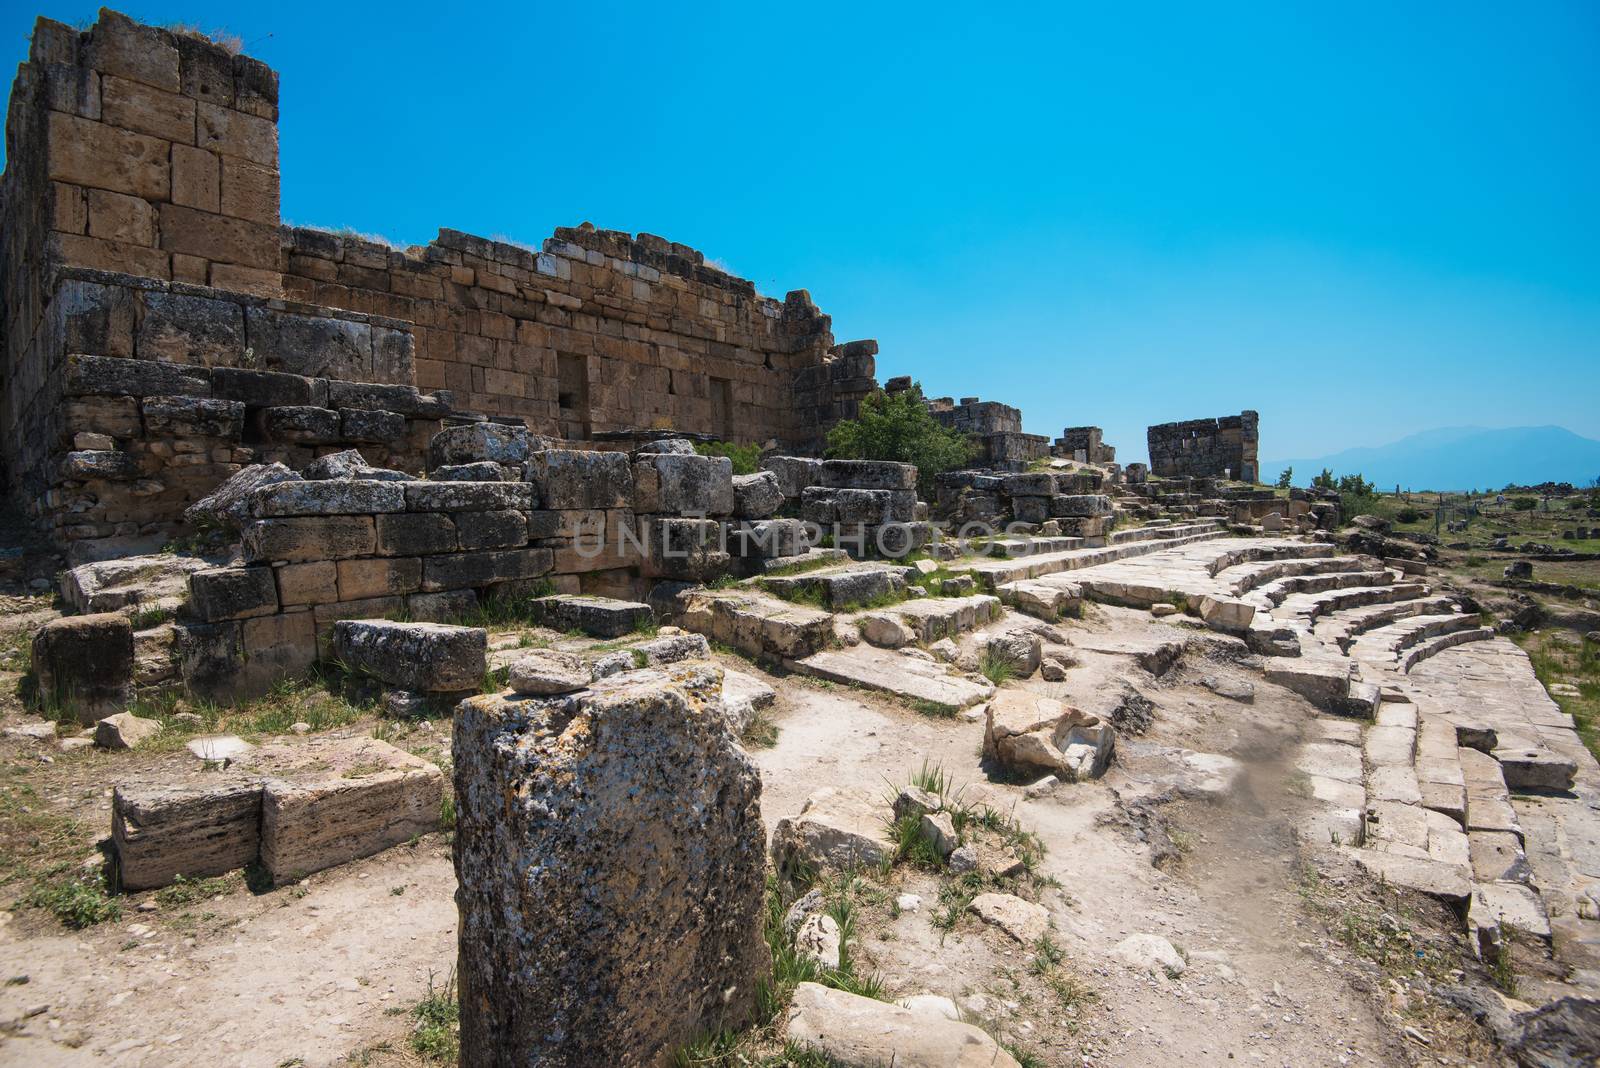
[[1361, 219]]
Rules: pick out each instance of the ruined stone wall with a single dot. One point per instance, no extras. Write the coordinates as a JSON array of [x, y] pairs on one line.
[[599, 331], [139, 219], [1208, 448], [1084, 443]]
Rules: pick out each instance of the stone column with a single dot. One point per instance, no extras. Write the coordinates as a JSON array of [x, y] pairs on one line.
[[610, 856]]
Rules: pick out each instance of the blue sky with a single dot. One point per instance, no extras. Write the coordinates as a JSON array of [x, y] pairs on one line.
[[1362, 220]]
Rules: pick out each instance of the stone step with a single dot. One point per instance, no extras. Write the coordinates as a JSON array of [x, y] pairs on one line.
[[1344, 626], [1276, 592], [931, 618], [905, 675], [1313, 606], [840, 588], [1434, 646], [1282, 550], [1011, 548], [756, 623], [1420, 628], [1259, 574], [1042, 599], [992, 574]]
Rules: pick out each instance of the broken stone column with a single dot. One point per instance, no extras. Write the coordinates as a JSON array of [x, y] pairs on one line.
[[609, 851]]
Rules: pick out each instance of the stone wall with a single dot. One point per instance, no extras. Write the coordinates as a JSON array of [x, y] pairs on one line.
[[135, 397], [995, 428], [1210, 448], [1084, 444], [139, 219]]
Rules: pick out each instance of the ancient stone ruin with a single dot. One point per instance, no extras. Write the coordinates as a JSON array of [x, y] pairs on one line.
[[350, 545], [1207, 448]]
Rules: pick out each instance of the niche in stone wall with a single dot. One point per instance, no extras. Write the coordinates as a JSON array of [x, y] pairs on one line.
[[572, 395]]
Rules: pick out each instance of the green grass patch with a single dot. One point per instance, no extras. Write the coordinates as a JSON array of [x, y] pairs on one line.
[[436, 1033], [78, 900]]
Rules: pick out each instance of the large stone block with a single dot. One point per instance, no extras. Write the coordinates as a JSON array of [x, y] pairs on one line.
[[361, 424], [309, 345], [84, 664], [571, 479], [598, 617], [868, 475], [638, 837], [334, 800], [299, 424], [113, 376], [676, 484], [850, 1029], [425, 657], [196, 831], [108, 464], [228, 506], [756, 496], [416, 534], [495, 442], [329, 497], [304, 538], [469, 496], [454, 571], [492, 530], [233, 593], [794, 473], [267, 389], [182, 416]]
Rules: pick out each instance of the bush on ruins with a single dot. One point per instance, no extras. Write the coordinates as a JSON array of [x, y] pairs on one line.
[[897, 426]]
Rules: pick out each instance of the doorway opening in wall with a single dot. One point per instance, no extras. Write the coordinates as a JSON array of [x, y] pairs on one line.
[[722, 408], [572, 395]]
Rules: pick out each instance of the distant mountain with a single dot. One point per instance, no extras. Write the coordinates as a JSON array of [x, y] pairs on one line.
[[1461, 458]]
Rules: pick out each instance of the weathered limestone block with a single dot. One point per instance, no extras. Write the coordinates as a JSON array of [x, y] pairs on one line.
[[327, 497], [107, 464], [331, 537], [837, 829], [228, 506], [380, 427], [182, 416], [598, 617], [684, 548], [1044, 600], [491, 530], [209, 658], [683, 485], [756, 496], [1030, 484], [768, 539], [267, 389], [415, 534], [1083, 504], [273, 648], [794, 473], [125, 731], [498, 443], [867, 475], [114, 376], [612, 911], [760, 625], [349, 463], [333, 800], [673, 446], [1019, 649], [378, 577], [424, 657], [573, 479], [469, 496], [548, 672], [480, 471], [1027, 732], [852, 1030], [670, 649], [84, 664], [453, 571], [1030, 509], [233, 593], [197, 831], [299, 424], [106, 585]]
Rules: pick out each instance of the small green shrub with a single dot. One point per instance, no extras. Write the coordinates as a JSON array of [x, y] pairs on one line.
[[436, 1037], [1523, 504], [746, 458], [76, 902]]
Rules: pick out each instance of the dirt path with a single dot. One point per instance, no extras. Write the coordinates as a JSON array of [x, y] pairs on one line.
[[317, 974]]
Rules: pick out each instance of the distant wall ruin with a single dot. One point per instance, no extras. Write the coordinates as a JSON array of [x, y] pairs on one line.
[[1207, 448], [139, 220]]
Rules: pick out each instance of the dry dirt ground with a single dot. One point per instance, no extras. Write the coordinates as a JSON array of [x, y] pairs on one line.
[[1289, 963]]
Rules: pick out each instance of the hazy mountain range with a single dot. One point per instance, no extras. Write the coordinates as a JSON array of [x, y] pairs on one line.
[[1460, 458]]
